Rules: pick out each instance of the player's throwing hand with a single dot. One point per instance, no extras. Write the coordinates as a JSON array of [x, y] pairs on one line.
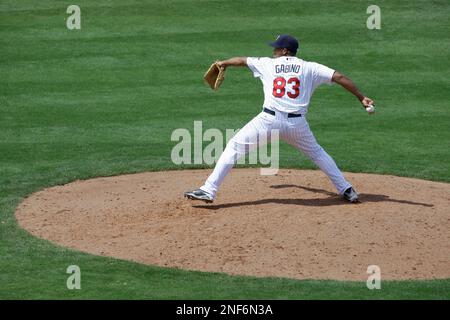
[[367, 102]]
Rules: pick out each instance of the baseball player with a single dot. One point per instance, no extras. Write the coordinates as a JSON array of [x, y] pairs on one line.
[[289, 83]]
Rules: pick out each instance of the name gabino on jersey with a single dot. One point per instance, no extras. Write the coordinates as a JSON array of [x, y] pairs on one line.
[[287, 68]]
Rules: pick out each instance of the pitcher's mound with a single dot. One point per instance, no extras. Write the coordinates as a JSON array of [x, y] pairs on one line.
[[288, 225]]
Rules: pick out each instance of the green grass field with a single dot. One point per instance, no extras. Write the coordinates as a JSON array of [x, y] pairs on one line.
[[104, 100]]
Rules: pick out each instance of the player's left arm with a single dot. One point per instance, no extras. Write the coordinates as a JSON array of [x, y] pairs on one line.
[[236, 62], [350, 86]]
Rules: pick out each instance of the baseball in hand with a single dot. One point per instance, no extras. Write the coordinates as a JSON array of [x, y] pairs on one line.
[[370, 109]]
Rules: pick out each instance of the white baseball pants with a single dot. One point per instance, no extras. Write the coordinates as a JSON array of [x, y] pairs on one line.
[[295, 131]]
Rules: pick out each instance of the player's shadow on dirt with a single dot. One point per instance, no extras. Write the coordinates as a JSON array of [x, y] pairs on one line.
[[332, 200]]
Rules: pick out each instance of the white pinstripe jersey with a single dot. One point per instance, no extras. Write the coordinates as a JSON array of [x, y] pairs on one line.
[[289, 82]]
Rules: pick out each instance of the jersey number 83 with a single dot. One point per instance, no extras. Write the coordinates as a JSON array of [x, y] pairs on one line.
[[279, 87]]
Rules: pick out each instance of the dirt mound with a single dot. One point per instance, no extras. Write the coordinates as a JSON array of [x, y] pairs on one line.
[[289, 225]]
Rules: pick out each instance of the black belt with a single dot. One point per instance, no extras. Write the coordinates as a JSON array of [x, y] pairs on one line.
[[290, 115]]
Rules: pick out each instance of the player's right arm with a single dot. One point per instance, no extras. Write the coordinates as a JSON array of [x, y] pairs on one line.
[[348, 84], [236, 62]]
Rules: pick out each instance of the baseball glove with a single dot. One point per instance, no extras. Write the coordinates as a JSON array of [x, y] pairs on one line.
[[214, 76]]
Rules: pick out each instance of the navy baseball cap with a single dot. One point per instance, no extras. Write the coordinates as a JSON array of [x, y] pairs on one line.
[[285, 41]]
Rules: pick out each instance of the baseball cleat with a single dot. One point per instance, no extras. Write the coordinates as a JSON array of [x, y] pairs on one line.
[[199, 194], [350, 195]]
